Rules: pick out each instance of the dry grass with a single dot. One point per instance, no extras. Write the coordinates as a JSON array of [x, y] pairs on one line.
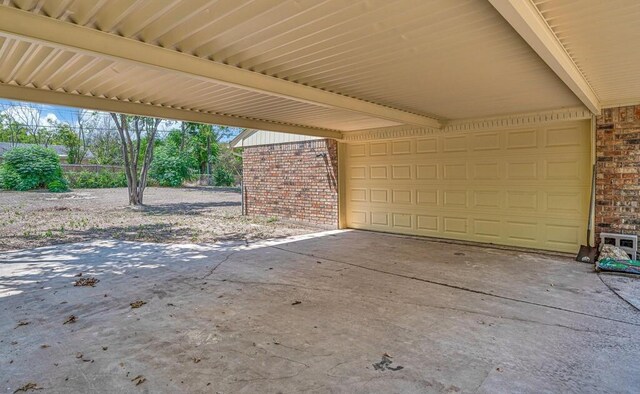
[[187, 215]]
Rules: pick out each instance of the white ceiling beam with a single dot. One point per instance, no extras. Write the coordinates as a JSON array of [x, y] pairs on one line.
[[20, 93], [524, 17], [59, 34]]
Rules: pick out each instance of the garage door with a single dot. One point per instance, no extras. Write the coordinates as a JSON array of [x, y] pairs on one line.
[[521, 187]]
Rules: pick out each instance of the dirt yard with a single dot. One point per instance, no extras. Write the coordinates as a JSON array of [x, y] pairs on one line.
[[187, 215]]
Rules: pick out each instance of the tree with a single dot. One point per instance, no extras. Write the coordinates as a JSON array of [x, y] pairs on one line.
[[39, 129], [71, 141], [11, 131], [86, 124], [204, 144], [137, 137], [228, 167], [170, 166], [105, 142]]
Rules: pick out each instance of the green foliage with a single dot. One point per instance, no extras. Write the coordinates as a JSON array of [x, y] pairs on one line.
[[227, 168], [9, 179], [58, 186], [223, 177], [11, 131], [105, 146], [96, 180], [26, 168], [72, 142], [170, 167], [202, 144]]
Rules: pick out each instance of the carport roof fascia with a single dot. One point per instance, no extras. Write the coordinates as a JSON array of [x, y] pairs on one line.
[[243, 135]]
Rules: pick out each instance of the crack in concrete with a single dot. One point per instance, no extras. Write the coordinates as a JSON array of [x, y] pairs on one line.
[[617, 294], [218, 265], [242, 282], [456, 287], [351, 294]]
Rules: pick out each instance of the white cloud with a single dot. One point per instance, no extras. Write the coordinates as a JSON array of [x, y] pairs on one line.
[[30, 116], [50, 119], [168, 125]]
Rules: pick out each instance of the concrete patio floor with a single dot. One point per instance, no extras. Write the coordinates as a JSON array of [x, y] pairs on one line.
[[313, 314]]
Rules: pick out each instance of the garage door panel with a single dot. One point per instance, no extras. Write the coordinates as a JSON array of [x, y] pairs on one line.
[[378, 149], [402, 196], [427, 172], [562, 169], [526, 187], [379, 172], [427, 145], [401, 171], [565, 202], [487, 199], [454, 171], [380, 195], [486, 141], [357, 172], [404, 147], [402, 220], [380, 218], [522, 169], [522, 139], [427, 197], [563, 234], [454, 198], [427, 223], [486, 170], [358, 195], [456, 143], [357, 150], [522, 200], [563, 137]]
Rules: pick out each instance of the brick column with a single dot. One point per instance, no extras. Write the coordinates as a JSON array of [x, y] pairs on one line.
[[617, 171]]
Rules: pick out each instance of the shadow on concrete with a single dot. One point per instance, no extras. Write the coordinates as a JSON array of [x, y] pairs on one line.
[[53, 265]]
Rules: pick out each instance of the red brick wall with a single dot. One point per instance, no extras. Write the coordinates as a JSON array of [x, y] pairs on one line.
[[618, 167], [296, 181]]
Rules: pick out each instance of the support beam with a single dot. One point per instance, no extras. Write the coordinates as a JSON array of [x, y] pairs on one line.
[[20, 93], [52, 32], [524, 17]]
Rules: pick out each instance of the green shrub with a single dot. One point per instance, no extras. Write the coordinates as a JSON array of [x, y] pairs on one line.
[[169, 167], [96, 180], [9, 179], [223, 177], [58, 186], [30, 167]]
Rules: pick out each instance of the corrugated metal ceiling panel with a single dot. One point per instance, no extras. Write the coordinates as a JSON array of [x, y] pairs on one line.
[[450, 58], [54, 69], [602, 39]]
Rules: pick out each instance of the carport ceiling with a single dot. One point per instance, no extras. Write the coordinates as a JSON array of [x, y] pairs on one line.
[[305, 66]]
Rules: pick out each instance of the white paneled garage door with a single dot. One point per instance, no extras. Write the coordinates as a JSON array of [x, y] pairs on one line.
[[523, 187]]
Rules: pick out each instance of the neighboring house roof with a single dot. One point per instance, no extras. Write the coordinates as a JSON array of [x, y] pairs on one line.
[[251, 137], [60, 150]]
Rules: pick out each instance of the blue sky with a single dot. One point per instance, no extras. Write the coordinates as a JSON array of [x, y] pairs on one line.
[[62, 113]]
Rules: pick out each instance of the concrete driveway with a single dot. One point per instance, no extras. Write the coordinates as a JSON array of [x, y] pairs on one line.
[[329, 312]]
